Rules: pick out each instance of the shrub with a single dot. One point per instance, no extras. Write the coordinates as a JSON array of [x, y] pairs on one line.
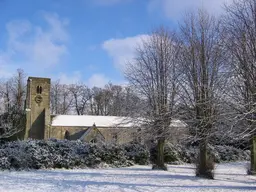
[[170, 154], [227, 153], [174, 154], [44, 154], [41, 154], [114, 155], [137, 153], [188, 154]]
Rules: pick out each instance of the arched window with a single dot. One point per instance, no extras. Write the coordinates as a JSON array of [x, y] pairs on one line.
[[67, 135], [93, 140], [114, 137], [39, 89]]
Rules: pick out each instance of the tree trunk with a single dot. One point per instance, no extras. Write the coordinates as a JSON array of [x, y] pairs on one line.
[[204, 167], [160, 155], [202, 158], [252, 170]]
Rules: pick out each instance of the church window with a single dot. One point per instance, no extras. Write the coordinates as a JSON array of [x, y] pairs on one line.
[[39, 89], [114, 137], [67, 135], [93, 141]]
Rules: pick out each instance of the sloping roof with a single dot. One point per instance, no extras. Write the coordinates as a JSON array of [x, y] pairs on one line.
[[97, 135], [89, 120], [86, 133], [101, 121], [77, 135], [177, 123]]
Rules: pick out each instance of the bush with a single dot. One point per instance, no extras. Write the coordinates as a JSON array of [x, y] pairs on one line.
[[229, 153], [170, 154], [44, 154], [137, 153], [173, 154], [115, 155], [188, 154]]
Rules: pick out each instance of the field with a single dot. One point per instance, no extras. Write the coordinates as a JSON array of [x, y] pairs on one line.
[[228, 177]]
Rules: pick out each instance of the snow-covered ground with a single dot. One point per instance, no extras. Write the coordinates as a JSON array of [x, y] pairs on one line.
[[180, 178]]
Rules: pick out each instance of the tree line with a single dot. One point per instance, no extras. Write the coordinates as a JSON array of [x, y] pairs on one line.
[[77, 99]]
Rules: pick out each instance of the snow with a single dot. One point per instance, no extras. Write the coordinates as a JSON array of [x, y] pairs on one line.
[[228, 177], [89, 120], [101, 121]]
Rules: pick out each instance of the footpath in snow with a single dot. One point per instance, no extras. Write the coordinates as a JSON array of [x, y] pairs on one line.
[[229, 177]]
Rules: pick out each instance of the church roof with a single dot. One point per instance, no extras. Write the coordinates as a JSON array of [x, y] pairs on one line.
[[89, 120], [101, 121]]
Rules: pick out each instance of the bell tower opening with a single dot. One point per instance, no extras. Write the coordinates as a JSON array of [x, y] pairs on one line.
[[37, 108], [39, 89]]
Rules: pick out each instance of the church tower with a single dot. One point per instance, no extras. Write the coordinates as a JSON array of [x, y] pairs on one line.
[[38, 108]]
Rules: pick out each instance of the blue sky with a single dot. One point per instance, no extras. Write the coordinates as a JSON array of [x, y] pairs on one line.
[[82, 40]]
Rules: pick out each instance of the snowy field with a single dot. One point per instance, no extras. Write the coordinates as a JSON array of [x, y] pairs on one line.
[[180, 178]]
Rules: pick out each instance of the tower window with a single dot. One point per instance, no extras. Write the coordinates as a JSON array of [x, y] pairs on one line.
[[38, 89]]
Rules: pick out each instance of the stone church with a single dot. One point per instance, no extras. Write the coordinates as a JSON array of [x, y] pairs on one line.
[[40, 124]]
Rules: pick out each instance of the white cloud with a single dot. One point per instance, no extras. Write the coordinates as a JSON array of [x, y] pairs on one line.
[[6, 70], [174, 9], [72, 78], [34, 47], [98, 80], [109, 2], [123, 50]]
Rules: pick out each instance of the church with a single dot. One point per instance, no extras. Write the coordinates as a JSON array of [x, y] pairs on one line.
[[40, 124]]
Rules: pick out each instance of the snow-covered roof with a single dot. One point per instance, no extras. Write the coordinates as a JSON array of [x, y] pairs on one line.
[[102, 121], [178, 123], [89, 120]]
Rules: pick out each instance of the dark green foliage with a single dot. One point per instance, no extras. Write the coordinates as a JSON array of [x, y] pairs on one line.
[[39, 154], [224, 153], [12, 124], [114, 155], [171, 154], [188, 154], [137, 153], [44, 154]]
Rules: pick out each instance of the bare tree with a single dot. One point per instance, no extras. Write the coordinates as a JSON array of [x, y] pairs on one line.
[[117, 99], [19, 89], [12, 119], [81, 96], [240, 35], [55, 96], [132, 103], [101, 101], [202, 81], [61, 98], [153, 75], [6, 95], [67, 100]]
